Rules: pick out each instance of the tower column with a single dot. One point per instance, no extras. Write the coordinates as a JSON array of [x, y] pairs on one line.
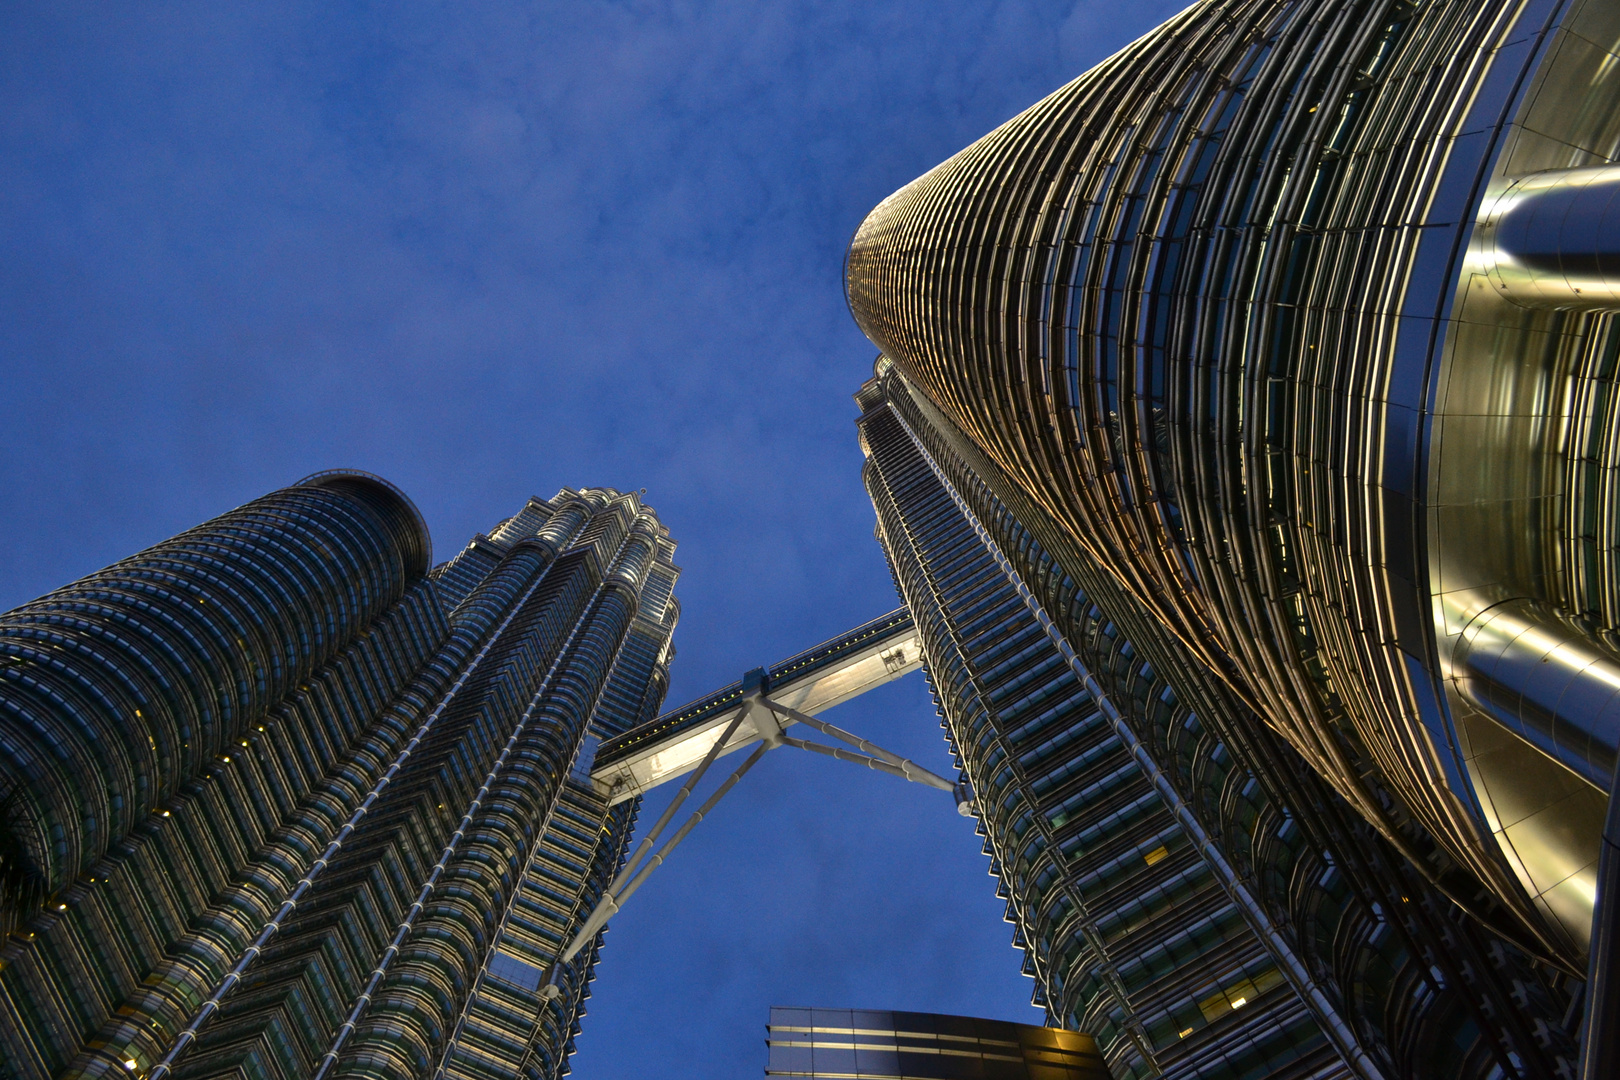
[[1552, 239]]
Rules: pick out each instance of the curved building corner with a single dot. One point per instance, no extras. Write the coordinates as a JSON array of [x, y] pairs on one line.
[[1291, 324]]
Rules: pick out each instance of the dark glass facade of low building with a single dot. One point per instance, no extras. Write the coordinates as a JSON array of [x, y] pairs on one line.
[[868, 1044], [1294, 321], [286, 801], [1185, 888]]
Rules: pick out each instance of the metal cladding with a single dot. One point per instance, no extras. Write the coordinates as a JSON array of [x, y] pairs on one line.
[[1185, 888], [357, 814], [881, 1045], [1127, 931], [1216, 322], [124, 686], [1552, 239]]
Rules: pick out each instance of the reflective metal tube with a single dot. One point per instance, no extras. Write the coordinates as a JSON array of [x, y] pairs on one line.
[[1552, 239], [1546, 680]]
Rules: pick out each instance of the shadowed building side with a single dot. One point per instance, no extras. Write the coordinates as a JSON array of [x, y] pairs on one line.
[[124, 686], [174, 710]]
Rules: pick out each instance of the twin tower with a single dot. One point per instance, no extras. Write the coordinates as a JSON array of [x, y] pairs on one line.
[[1246, 450]]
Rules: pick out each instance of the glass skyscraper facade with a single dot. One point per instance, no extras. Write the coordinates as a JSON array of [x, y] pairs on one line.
[[1293, 320], [1185, 889], [869, 1044], [286, 800], [1244, 448]]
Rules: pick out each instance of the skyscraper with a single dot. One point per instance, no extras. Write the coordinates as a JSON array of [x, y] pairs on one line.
[[1185, 890], [834, 1044], [286, 800], [1286, 334]]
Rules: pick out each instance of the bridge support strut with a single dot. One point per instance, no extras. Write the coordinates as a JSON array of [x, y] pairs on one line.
[[767, 718]]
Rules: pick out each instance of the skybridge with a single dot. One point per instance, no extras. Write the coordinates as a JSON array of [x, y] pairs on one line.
[[811, 682], [755, 711]]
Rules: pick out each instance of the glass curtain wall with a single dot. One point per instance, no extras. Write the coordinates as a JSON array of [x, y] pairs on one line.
[[1391, 973], [330, 813]]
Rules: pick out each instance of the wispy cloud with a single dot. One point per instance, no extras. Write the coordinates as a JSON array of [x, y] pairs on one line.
[[487, 249]]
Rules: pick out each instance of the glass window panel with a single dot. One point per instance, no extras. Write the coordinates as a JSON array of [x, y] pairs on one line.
[[877, 1063], [782, 1017], [789, 1059], [830, 1018], [833, 1061], [872, 1020]]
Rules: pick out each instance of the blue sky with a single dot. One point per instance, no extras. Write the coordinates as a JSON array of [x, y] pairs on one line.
[[487, 249]]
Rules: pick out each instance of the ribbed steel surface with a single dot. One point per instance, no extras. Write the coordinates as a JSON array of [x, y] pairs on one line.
[[1187, 306], [1107, 878], [385, 834]]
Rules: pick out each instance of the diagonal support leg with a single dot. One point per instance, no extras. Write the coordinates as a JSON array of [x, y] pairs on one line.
[[898, 766], [675, 804], [919, 775], [697, 815], [766, 716], [612, 901], [838, 733]]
